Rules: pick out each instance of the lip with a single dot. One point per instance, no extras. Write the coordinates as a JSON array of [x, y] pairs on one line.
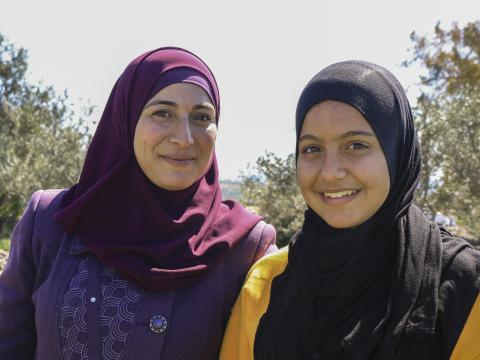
[[338, 201], [176, 160]]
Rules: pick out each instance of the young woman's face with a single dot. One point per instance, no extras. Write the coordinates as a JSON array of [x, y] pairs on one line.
[[341, 168], [175, 136]]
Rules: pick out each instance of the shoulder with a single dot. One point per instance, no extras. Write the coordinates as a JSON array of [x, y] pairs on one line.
[[250, 306], [47, 205], [459, 305], [44, 203], [262, 237], [37, 226], [460, 276], [262, 232], [460, 265], [262, 273], [32, 239], [270, 265], [468, 346]]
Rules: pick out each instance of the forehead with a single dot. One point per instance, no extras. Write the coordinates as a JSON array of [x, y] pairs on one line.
[[333, 117], [182, 94]]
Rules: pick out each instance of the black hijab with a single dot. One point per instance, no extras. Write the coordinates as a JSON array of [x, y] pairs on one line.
[[353, 293]]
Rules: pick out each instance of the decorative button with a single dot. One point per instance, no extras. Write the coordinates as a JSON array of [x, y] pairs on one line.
[[158, 323], [93, 299]]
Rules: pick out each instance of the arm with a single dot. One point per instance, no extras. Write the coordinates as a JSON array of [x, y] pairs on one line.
[[239, 335], [17, 312], [250, 306], [468, 346]]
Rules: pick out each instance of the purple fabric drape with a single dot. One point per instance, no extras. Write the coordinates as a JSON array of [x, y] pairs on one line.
[[161, 239]]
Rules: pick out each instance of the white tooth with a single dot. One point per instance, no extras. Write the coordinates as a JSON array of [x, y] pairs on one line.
[[339, 194]]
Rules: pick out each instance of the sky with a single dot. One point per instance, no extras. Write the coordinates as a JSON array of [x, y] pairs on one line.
[[262, 52]]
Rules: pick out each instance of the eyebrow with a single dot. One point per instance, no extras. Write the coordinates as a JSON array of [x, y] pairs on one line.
[[342, 136], [308, 137], [357, 133], [205, 106], [162, 102]]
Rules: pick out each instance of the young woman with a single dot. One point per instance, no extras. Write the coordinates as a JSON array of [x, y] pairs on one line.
[[368, 276], [141, 259]]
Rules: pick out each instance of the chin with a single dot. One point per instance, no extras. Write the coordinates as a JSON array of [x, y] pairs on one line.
[[174, 184], [340, 226], [341, 223], [177, 186]]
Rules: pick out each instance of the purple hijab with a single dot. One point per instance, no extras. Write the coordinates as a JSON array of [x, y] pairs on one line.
[[159, 238]]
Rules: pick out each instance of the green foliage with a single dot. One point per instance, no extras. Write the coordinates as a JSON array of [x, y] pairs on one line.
[[460, 149], [231, 189], [448, 119], [5, 244], [451, 57], [271, 189], [42, 143]]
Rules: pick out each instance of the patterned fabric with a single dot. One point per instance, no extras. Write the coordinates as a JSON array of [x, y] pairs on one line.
[[73, 317], [117, 308]]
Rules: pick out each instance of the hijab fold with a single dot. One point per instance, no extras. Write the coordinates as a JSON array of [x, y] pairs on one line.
[[161, 239]]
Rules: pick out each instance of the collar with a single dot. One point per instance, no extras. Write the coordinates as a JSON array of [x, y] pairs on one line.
[[77, 247]]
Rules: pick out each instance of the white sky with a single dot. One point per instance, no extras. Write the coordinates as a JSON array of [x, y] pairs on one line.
[[261, 52]]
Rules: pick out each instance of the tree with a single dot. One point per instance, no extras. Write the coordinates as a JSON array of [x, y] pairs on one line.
[[460, 149], [42, 142], [429, 129], [271, 189], [448, 119]]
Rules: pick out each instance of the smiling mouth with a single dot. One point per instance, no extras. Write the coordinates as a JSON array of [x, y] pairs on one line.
[[338, 197], [339, 194], [178, 160]]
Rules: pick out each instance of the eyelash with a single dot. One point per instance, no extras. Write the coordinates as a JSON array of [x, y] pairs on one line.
[[199, 117], [362, 146], [206, 117], [162, 113], [307, 149], [352, 146]]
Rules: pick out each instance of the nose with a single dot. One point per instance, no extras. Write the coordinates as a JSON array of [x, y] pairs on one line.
[[332, 168], [182, 133]]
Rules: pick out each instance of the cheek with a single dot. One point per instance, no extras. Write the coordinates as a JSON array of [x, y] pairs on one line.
[[148, 137], [384, 188], [150, 133], [306, 175], [206, 141], [378, 179], [139, 141]]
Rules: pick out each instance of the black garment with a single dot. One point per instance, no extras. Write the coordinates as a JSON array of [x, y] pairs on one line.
[[362, 293], [428, 311]]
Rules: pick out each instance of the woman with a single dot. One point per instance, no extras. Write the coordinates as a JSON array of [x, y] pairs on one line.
[[141, 259], [367, 276]]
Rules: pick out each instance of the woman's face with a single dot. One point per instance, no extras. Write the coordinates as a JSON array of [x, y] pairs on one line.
[[175, 136], [341, 168]]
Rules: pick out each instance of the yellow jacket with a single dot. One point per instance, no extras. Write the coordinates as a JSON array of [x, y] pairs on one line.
[[254, 298]]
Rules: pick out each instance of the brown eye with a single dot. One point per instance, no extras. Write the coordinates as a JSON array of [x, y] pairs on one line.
[[357, 146], [202, 117], [310, 149], [162, 113]]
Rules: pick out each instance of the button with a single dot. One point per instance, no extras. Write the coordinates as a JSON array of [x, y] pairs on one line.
[[158, 323], [93, 299]]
